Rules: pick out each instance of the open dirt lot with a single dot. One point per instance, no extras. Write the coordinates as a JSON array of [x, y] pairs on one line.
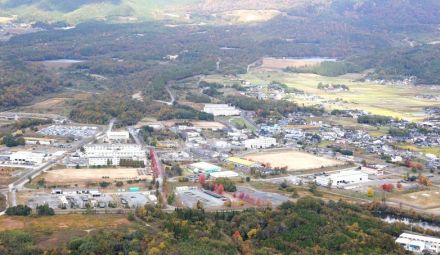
[[423, 199], [294, 160], [65, 176]]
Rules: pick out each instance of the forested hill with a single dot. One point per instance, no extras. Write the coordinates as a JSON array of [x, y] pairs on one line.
[[373, 13], [306, 227]]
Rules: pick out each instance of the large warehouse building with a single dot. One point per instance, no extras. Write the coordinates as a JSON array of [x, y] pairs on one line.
[[342, 178], [221, 110]]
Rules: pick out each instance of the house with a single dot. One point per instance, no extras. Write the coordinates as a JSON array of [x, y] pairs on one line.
[[418, 243]]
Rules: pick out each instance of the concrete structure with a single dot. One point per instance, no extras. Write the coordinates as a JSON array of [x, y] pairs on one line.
[[260, 143], [27, 157], [223, 174], [419, 243], [118, 135], [204, 167], [342, 178], [111, 154], [221, 110]]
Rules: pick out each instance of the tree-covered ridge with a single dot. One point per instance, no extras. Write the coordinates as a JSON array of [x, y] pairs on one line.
[[20, 84], [307, 227]]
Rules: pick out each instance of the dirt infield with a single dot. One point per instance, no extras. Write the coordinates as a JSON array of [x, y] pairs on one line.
[[427, 199], [294, 160], [65, 176]]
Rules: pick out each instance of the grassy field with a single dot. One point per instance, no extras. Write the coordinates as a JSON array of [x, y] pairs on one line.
[[56, 231], [395, 101]]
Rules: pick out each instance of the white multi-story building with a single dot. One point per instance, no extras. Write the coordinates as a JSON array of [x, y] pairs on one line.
[[260, 143], [118, 135], [419, 243], [221, 110], [342, 178], [111, 154]]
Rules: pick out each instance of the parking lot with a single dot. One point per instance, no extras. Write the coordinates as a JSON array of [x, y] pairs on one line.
[[69, 131], [274, 198], [189, 198]]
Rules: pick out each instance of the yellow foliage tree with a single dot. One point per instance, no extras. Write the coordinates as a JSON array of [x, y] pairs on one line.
[[370, 192], [252, 233]]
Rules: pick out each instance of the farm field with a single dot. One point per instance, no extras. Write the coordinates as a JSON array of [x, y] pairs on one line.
[[425, 150], [78, 176], [427, 199], [294, 160], [282, 63], [394, 101]]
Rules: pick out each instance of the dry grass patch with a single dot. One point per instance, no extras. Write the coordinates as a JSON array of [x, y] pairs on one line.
[[427, 199]]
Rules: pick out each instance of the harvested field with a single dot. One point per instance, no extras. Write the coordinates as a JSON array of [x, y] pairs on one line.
[[427, 199], [69, 176], [53, 102], [198, 124], [293, 160], [282, 63]]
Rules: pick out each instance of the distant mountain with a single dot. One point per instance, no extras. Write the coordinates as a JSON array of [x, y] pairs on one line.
[[76, 11]]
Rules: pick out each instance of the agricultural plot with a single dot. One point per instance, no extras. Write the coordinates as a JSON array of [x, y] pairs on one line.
[[401, 101], [282, 63], [293, 160], [428, 199]]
